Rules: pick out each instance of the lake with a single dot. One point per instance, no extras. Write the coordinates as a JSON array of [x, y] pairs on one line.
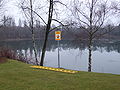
[[73, 54]]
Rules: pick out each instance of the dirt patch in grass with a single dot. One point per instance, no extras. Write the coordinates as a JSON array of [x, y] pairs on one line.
[[3, 60]]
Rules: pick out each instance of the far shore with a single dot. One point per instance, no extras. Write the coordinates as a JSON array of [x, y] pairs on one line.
[[101, 40]]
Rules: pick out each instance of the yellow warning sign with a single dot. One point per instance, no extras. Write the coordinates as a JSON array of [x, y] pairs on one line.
[[57, 35]]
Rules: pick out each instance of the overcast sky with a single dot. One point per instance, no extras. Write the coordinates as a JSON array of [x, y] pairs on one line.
[[11, 9], [14, 11]]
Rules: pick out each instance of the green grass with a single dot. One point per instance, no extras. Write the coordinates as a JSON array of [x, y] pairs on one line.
[[16, 75]]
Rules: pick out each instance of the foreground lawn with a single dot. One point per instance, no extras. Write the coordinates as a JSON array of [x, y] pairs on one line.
[[16, 75]]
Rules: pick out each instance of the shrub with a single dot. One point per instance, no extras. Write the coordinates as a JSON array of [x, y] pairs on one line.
[[11, 54]]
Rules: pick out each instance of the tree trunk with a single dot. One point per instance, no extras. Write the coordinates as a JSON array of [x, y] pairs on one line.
[[44, 49], [34, 48], [90, 37], [47, 32], [90, 55], [32, 30]]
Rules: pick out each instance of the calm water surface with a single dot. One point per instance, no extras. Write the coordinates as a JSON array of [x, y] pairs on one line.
[[74, 54]]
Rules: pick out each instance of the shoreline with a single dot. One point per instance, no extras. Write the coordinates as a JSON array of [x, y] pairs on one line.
[[27, 39]]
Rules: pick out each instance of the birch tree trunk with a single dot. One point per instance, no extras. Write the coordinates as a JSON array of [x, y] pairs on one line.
[[90, 55], [32, 30]]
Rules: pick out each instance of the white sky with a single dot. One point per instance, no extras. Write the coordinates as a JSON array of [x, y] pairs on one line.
[[14, 11]]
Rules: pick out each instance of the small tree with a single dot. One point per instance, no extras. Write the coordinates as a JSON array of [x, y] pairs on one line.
[[91, 15], [50, 15], [49, 28], [27, 7]]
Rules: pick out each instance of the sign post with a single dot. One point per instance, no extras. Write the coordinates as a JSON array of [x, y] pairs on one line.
[[58, 38]]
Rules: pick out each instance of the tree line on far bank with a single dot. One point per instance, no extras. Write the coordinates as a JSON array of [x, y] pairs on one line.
[[14, 32]]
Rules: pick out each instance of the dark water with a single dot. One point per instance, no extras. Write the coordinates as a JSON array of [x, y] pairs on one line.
[[74, 54]]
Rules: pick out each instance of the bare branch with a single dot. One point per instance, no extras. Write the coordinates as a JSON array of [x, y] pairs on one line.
[[36, 14], [58, 21], [57, 27], [57, 1], [83, 14], [110, 29]]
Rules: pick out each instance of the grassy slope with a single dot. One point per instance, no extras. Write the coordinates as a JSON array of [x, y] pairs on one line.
[[16, 75]]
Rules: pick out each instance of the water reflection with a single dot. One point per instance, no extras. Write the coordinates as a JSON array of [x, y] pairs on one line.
[[65, 45], [73, 54]]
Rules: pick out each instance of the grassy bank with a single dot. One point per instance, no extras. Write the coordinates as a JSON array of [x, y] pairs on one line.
[[16, 75]]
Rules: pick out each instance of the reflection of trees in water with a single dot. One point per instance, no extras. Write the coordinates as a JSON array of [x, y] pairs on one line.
[[64, 44], [108, 47], [114, 47]]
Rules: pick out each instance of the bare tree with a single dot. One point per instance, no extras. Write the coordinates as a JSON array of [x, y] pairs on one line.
[[48, 28], [47, 31], [32, 29], [92, 15], [28, 11]]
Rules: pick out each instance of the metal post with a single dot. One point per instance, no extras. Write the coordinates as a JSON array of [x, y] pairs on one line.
[[58, 54]]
